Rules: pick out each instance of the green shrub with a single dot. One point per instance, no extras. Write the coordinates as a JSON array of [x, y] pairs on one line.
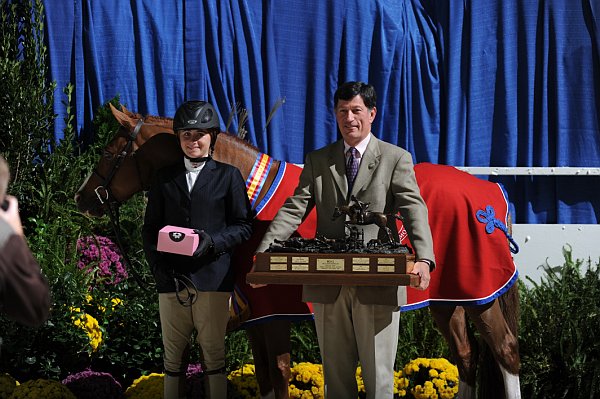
[[305, 347], [419, 337], [131, 343], [560, 332], [26, 97], [237, 350]]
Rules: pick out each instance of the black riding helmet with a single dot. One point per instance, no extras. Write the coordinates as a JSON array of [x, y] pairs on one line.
[[199, 115], [196, 115]]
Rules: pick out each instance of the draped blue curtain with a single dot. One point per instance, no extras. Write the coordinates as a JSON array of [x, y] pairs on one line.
[[471, 83]]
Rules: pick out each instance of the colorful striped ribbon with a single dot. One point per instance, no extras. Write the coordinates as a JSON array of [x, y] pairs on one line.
[[273, 189], [257, 176]]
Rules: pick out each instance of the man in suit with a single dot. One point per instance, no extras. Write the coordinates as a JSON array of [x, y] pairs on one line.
[[210, 197], [357, 323]]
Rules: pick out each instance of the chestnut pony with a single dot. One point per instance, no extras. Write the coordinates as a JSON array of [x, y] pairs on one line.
[[145, 144]]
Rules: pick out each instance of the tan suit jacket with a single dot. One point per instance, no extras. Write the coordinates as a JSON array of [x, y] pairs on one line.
[[385, 180]]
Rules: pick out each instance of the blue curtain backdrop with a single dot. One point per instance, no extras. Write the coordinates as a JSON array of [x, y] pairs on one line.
[[470, 83]]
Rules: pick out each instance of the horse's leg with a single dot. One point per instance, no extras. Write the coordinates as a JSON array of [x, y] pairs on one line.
[[271, 346], [494, 329], [389, 234], [452, 323]]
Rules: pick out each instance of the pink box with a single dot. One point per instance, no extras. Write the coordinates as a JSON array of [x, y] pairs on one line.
[[177, 240]]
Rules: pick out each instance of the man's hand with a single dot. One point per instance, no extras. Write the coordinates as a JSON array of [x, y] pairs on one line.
[[205, 245], [421, 269], [11, 215], [251, 271]]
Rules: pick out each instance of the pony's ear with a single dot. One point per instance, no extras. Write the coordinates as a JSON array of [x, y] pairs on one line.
[[119, 116], [124, 119], [113, 109], [127, 112]]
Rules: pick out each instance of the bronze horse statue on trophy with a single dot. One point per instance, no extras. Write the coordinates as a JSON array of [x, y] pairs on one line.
[[145, 144], [358, 214]]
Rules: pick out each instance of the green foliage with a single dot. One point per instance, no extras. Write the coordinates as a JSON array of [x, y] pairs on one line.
[[560, 332], [26, 97], [131, 343], [305, 347], [419, 337], [237, 347]]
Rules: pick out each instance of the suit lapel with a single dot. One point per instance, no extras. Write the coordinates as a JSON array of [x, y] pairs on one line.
[[337, 162], [205, 175], [368, 165], [180, 179]]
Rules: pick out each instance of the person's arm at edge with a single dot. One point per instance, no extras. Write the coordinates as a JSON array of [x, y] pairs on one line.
[[24, 291]]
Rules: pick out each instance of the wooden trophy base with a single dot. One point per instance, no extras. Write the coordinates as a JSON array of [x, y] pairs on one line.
[[355, 269]]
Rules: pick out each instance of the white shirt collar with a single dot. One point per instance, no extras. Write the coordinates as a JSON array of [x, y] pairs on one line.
[[361, 147], [194, 167]]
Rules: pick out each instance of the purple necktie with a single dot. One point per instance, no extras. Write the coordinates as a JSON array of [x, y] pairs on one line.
[[352, 166]]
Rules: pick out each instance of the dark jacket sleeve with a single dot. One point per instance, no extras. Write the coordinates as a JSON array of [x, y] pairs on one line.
[[240, 216], [24, 292]]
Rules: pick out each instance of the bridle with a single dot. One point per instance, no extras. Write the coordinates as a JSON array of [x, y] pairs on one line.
[[105, 196], [103, 192]]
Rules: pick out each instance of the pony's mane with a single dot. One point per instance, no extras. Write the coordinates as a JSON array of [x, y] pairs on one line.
[[240, 141], [160, 120]]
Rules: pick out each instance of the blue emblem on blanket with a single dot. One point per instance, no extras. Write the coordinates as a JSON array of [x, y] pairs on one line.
[[491, 223]]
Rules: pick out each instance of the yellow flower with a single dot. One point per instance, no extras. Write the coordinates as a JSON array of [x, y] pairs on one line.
[[89, 325], [116, 302], [307, 381], [243, 380], [431, 379], [146, 387], [440, 381]]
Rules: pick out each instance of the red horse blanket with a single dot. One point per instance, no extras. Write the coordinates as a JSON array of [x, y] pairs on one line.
[[468, 219]]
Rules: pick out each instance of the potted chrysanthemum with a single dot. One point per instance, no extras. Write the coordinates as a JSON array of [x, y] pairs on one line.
[[431, 378], [90, 384], [100, 256], [243, 382]]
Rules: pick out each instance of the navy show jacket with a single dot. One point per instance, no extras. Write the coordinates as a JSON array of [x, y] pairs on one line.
[[217, 204]]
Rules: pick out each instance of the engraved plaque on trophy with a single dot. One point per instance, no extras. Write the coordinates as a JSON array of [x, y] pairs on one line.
[[346, 261], [333, 269]]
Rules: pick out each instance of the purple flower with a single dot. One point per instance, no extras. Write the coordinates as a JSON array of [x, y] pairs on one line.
[[195, 381], [100, 256], [90, 384], [194, 369]]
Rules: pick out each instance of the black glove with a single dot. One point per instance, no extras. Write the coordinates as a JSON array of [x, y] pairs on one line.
[[206, 244]]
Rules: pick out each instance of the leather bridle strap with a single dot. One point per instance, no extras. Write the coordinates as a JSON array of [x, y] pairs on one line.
[[113, 211], [103, 192]]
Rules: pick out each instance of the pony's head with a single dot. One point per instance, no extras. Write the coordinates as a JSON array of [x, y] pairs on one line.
[[119, 173]]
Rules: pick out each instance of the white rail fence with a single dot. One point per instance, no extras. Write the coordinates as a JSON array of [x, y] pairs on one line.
[[543, 243]]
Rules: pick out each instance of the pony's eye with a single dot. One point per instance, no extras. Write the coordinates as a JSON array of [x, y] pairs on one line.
[[107, 154]]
